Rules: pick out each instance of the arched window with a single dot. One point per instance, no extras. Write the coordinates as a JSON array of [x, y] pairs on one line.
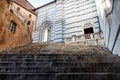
[[12, 27], [88, 28], [88, 25]]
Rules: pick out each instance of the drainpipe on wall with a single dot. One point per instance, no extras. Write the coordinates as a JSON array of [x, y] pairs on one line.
[[109, 25], [100, 30], [116, 37]]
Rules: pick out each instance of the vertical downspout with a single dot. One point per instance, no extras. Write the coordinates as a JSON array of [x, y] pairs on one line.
[[116, 37], [111, 12], [100, 30]]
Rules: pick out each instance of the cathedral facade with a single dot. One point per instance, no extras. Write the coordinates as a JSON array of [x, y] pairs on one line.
[[68, 21]]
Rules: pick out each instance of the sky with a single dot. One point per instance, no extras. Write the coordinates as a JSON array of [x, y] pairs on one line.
[[38, 3]]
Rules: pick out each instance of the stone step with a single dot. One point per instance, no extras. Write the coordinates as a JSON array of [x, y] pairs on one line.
[[48, 55], [74, 64], [56, 64], [88, 76], [58, 69], [60, 76], [56, 60], [27, 76], [25, 64], [60, 59]]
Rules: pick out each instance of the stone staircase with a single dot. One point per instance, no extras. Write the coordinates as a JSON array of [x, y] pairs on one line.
[[59, 62], [59, 67]]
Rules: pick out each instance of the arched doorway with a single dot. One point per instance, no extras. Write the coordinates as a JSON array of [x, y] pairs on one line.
[[45, 32], [88, 28]]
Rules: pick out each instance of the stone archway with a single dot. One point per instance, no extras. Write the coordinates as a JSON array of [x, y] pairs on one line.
[[88, 28], [45, 32]]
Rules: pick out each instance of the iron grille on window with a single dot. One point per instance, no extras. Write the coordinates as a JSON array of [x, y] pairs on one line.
[[12, 26]]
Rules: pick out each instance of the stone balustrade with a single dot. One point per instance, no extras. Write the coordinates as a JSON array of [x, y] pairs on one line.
[[88, 39]]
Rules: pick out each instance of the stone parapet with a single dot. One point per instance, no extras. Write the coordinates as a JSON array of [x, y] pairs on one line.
[[87, 39]]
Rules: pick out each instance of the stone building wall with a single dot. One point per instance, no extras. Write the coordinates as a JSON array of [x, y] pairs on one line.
[[110, 23], [17, 35], [45, 19], [23, 8], [68, 18]]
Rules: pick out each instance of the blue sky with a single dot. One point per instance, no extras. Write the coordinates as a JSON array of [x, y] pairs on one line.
[[37, 3]]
